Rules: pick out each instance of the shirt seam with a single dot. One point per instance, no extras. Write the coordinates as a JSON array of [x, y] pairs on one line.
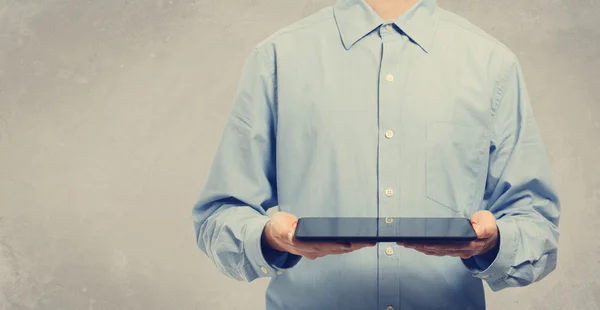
[[485, 36], [273, 108], [499, 93], [295, 27]]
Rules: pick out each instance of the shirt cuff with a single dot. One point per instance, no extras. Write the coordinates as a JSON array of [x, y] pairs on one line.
[[496, 272], [257, 264], [278, 259]]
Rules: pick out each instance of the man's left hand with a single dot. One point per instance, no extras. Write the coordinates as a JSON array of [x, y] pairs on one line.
[[484, 224]]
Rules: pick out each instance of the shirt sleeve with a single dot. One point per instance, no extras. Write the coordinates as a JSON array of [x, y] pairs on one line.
[[230, 215], [519, 192]]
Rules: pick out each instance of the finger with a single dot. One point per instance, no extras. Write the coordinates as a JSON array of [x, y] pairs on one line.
[[412, 245], [328, 248], [322, 248], [461, 254], [332, 249], [291, 234], [339, 251], [479, 230], [407, 245], [364, 244], [300, 245], [443, 250], [360, 245], [337, 248], [456, 247], [484, 224], [432, 253], [318, 255], [466, 255], [443, 247], [419, 247]]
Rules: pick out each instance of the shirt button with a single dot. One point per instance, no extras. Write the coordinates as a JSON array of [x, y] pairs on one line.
[[389, 78], [264, 269], [389, 251], [389, 192], [279, 272], [389, 133], [389, 220], [388, 27], [389, 308]]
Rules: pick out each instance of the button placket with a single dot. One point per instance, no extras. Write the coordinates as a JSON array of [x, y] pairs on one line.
[[389, 95]]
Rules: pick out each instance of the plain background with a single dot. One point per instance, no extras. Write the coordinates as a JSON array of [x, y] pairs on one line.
[[111, 111]]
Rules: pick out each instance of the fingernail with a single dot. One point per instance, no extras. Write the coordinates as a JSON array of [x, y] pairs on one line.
[[291, 237]]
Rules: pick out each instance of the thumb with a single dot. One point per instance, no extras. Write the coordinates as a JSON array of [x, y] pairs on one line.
[[483, 223], [484, 231], [479, 230], [291, 234]]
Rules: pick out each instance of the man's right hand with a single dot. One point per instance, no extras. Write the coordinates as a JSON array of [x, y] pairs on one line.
[[279, 234]]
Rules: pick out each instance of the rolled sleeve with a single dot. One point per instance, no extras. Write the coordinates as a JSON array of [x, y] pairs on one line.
[[257, 264], [519, 192], [495, 273], [231, 212]]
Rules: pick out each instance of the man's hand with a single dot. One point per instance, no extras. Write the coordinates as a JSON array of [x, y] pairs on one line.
[[279, 234], [484, 224]]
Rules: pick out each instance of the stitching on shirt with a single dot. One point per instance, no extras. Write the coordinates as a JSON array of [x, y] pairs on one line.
[[474, 29], [516, 242], [243, 268], [502, 283], [509, 272], [499, 94], [273, 108], [272, 73], [297, 26], [501, 85]]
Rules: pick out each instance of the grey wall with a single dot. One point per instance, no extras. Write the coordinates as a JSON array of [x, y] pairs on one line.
[[110, 113]]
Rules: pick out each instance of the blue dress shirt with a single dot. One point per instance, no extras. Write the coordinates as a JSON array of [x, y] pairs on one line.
[[343, 114]]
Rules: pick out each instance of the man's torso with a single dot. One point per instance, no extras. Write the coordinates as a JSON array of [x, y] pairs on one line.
[[388, 127]]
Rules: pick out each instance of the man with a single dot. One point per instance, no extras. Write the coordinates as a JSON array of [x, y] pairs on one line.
[[380, 109]]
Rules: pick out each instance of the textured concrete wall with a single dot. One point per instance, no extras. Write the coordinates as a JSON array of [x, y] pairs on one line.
[[110, 112]]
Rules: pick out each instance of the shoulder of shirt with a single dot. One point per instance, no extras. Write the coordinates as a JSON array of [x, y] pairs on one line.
[[313, 20], [451, 19]]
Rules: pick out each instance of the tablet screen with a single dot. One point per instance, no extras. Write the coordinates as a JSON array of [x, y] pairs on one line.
[[373, 228]]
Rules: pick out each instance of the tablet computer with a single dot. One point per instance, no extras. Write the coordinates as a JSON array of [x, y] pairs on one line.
[[389, 229]]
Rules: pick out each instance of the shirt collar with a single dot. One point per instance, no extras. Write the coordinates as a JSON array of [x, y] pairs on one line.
[[355, 19]]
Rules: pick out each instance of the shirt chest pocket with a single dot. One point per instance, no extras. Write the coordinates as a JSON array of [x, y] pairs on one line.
[[454, 163]]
